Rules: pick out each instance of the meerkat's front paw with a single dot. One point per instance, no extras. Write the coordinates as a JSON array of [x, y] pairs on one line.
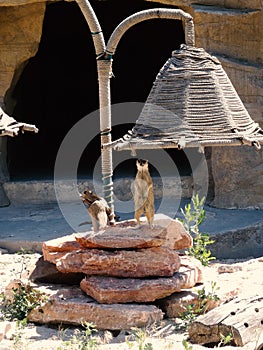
[[137, 227]]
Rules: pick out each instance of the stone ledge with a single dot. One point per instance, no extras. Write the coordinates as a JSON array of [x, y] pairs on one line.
[[71, 306], [43, 191], [218, 10], [110, 290]]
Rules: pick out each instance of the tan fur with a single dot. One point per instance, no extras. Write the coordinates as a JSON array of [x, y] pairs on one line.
[[98, 210], [143, 192]]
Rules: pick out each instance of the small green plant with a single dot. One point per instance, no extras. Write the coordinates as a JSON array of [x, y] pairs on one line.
[[205, 299], [18, 342], [194, 215], [81, 339], [138, 337], [186, 345], [225, 339], [24, 299], [188, 316], [200, 307]]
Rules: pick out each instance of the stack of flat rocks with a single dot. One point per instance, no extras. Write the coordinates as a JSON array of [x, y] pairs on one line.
[[124, 269]]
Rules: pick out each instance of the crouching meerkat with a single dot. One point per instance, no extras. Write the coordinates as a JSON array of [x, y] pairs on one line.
[[98, 209], [143, 193]]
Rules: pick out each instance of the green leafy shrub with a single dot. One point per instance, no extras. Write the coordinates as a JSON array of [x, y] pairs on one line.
[[24, 298], [194, 215], [200, 307]]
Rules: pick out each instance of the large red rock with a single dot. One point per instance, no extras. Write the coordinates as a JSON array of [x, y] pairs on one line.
[[53, 257], [124, 236], [157, 261], [166, 231], [62, 244], [46, 272], [174, 305], [177, 237], [193, 264], [71, 306], [110, 290], [54, 249]]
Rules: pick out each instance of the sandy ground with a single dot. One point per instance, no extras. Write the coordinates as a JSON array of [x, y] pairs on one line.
[[243, 277]]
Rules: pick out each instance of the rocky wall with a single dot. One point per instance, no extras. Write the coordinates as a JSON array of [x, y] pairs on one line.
[[238, 172], [235, 37], [20, 34], [230, 32], [227, 28]]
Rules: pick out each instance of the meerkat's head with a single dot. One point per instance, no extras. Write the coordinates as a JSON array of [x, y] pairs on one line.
[[142, 164], [88, 197]]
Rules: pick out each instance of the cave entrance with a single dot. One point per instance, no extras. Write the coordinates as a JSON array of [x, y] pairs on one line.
[[59, 84]]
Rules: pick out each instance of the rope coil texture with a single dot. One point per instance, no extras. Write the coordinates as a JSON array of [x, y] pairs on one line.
[[192, 102], [151, 14], [94, 26]]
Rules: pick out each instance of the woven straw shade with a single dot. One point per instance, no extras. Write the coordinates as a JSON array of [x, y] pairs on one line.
[[192, 103]]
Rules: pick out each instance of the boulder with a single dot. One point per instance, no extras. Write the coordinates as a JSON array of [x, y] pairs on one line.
[[46, 272], [71, 306], [110, 290], [191, 263], [156, 261], [176, 237], [174, 305]]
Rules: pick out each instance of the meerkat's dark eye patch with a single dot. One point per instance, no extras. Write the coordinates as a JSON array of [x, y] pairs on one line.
[[142, 161]]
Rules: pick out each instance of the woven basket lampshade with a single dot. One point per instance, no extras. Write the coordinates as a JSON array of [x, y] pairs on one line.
[[192, 103]]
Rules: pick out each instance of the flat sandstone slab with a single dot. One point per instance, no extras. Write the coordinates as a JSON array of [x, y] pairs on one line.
[[62, 244], [157, 261], [166, 232], [110, 290], [124, 237], [71, 306]]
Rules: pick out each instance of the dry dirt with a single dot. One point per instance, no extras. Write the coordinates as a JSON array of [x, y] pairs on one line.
[[243, 277]]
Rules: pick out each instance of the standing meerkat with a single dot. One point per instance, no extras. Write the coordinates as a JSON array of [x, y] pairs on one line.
[[98, 210], [143, 193]]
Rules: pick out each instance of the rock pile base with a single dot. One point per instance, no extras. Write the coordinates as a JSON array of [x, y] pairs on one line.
[[124, 268], [71, 306]]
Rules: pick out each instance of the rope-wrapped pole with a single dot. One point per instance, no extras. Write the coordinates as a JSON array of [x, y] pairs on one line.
[[104, 69], [94, 26], [104, 74], [151, 14]]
